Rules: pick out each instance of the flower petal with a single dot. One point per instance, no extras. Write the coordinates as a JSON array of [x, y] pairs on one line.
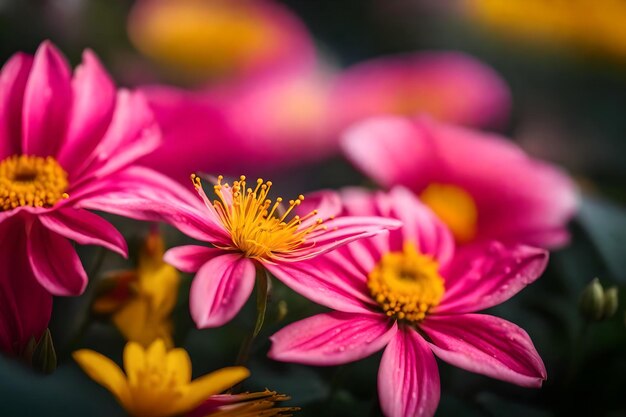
[[92, 109], [325, 283], [390, 150], [339, 232], [202, 388], [190, 258], [47, 97], [54, 262], [220, 288], [486, 345], [106, 373], [487, 275], [85, 228], [25, 306], [332, 338], [408, 378], [13, 78]]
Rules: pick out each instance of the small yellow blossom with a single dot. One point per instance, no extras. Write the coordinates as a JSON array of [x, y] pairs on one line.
[[141, 301], [156, 382]]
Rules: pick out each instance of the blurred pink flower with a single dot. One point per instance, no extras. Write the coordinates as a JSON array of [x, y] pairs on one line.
[[66, 147], [409, 293], [261, 124], [208, 39], [249, 232], [449, 86], [481, 185]]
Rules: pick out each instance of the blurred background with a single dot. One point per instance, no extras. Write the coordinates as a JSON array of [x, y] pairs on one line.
[[260, 87]]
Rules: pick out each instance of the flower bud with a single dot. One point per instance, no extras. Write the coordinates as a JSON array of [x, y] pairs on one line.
[[592, 301], [610, 302]]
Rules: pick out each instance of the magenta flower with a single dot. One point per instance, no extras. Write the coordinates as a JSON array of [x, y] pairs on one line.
[[481, 185], [449, 86], [409, 293], [66, 147], [248, 231]]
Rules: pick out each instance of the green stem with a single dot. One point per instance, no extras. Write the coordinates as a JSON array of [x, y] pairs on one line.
[[263, 289]]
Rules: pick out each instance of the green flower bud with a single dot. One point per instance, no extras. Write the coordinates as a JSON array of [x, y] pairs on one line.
[[610, 302], [592, 301]]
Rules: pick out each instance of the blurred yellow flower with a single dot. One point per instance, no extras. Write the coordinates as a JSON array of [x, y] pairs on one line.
[[141, 301], [206, 38], [155, 382], [596, 26]]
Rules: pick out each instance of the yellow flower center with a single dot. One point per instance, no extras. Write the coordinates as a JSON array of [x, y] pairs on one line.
[[258, 227], [32, 181], [406, 284], [455, 207]]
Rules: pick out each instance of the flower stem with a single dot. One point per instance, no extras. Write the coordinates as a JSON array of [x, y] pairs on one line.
[[263, 288]]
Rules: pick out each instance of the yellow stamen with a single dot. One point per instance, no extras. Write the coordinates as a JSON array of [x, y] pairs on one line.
[[455, 207], [406, 284], [256, 226], [32, 181]]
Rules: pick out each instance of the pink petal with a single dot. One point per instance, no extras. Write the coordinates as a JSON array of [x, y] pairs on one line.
[[408, 378], [390, 150], [326, 203], [85, 228], [144, 194], [325, 284], [339, 232], [486, 276], [92, 109], [419, 226], [25, 306], [190, 258], [55, 262], [332, 338], [47, 97], [486, 345], [133, 129], [13, 78], [220, 288]]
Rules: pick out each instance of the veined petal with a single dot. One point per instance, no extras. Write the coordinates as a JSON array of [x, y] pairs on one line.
[[220, 288], [13, 77], [486, 345], [408, 378], [85, 228], [47, 97], [202, 388], [55, 262], [190, 258], [324, 284], [106, 373], [338, 232], [332, 338], [485, 276], [327, 204], [420, 226], [92, 109]]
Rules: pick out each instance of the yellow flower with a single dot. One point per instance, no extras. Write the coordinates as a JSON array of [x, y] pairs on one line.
[[596, 26], [155, 382], [141, 301]]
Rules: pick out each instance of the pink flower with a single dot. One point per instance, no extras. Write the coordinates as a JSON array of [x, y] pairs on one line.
[[481, 185], [256, 124], [449, 86], [247, 233], [66, 147], [409, 293]]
